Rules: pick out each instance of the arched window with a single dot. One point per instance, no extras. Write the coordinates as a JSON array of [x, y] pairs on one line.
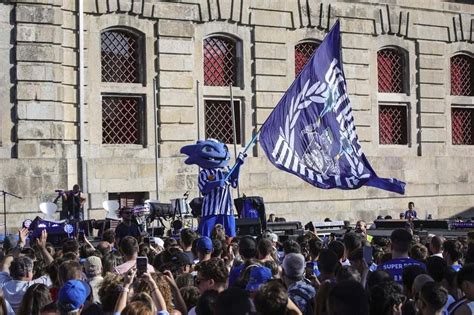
[[390, 69], [303, 52], [462, 75], [220, 61], [123, 114], [120, 56], [393, 116], [462, 117]]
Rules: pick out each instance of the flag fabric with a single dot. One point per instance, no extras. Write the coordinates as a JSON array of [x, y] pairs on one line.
[[311, 132]]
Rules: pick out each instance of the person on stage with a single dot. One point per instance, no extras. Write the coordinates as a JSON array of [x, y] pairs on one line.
[[128, 226], [74, 200], [410, 214]]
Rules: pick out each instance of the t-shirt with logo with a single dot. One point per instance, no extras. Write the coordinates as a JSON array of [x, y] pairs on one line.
[[395, 267]]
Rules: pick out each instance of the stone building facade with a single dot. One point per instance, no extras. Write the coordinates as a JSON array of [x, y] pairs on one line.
[[56, 131]]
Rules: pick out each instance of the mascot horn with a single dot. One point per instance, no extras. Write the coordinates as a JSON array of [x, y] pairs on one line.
[[213, 158]]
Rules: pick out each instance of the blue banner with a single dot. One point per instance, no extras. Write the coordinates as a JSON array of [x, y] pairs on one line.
[[311, 132]]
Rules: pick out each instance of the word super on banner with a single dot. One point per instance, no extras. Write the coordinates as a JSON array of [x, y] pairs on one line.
[[311, 132]]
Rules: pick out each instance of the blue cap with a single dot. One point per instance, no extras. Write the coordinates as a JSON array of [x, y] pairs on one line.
[[73, 294], [204, 244], [258, 275]]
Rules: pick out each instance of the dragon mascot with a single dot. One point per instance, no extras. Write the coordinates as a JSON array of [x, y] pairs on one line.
[[213, 158]]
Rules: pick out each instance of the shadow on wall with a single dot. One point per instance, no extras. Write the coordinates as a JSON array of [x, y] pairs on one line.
[[468, 213]]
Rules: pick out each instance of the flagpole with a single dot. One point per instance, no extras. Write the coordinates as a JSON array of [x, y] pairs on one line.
[[243, 152], [234, 131], [198, 120]]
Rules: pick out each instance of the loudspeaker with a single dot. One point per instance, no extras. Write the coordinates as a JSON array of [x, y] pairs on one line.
[[248, 226], [286, 228], [103, 225], [391, 224], [251, 207], [431, 224]]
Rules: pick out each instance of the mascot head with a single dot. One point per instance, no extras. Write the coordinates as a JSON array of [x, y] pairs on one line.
[[208, 153]]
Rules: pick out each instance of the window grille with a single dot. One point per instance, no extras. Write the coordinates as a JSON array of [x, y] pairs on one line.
[[129, 199], [303, 53], [390, 68], [120, 57], [393, 127], [218, 120], [122, 120], [462, 75], [220, 61], [462, 126]]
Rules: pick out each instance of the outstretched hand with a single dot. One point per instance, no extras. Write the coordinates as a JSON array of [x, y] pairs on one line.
[[22, 235], [41, 241]]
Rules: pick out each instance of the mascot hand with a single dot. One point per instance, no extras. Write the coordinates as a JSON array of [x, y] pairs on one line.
[[241, 158]]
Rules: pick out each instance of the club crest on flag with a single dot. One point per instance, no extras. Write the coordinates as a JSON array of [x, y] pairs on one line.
[[311, 132]]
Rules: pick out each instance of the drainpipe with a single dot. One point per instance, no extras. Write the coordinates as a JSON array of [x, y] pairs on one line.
[[81, 102]]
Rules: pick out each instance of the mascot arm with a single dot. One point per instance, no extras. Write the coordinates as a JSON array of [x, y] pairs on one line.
[[234, 177]]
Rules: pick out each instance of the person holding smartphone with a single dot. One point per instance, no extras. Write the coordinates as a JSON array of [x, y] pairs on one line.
[[129, 250]]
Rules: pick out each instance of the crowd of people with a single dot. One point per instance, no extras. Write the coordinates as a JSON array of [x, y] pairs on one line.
[[189, 274]]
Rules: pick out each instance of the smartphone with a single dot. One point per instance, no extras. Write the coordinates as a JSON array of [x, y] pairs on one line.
[[368, 254], [309, 270], [81, 237], [142, 265]]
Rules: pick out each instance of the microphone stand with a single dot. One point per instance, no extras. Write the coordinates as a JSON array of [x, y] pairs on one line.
[[5, 193]]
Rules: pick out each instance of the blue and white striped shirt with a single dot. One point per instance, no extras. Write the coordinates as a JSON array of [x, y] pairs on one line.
[[218, 201]]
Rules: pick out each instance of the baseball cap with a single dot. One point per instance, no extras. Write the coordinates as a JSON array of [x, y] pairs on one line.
[[293, 265], [93, 265], [204, 244], [181, 259], [73, 295], [258, 275]]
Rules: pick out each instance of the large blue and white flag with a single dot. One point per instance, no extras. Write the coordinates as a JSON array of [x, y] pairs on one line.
[[311, 132]]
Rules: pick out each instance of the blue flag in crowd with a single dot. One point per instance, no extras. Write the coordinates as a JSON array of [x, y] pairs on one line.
[[311, 132]]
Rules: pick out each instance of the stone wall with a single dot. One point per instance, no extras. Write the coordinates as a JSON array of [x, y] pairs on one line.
[[36, 132], [39, 99]]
